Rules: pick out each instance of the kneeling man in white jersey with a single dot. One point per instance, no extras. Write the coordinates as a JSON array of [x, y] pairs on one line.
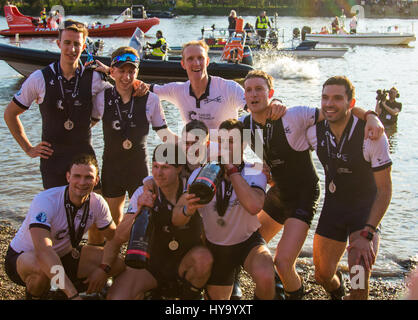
[[47, 250]]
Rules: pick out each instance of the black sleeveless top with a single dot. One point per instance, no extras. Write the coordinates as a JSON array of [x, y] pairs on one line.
[[54, 114], [353, 175], [291, 170], [136, 132]]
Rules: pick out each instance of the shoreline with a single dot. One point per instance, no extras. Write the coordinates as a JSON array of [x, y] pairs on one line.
[[380, 289]]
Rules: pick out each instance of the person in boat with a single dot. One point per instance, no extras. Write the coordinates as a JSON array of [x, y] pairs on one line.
[[353, 24], [293, 199], [335, 25], [232, 21], [358, 192], [65, 91], [230, 220], [262, 24], [159, 48], [44, 17], [179, 264], [48, 241], [388, 109], [126, 120]]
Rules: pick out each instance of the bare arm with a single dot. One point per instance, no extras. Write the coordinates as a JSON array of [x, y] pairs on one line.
[[252, 199], [393, 112], [48, 258], [12, 119]]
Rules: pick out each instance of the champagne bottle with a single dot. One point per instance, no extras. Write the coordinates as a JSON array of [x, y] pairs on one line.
[[206, 182], [138, 251]]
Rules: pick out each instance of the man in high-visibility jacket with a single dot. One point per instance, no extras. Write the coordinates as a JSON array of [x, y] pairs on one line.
[[159, 49], [43, 17], [261, 25]]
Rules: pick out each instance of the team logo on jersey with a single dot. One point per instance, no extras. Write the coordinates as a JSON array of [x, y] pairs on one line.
[[218, 99], [287, 130], [41, 217], [192, 115], [77, 103], [51, 82], [116, 125], [19, 93]]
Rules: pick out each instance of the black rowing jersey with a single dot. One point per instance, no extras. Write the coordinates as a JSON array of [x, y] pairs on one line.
[[286, 149]]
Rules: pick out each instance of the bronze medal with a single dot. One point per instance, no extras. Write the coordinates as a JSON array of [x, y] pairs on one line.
[[75, 253], [332, 187], [127, 144], [173, 245], [68, 125], [221, 222]]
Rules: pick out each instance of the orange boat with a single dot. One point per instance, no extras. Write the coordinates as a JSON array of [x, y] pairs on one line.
[[33, 26]]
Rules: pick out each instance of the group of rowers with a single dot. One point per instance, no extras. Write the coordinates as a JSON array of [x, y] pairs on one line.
[[196, 250]]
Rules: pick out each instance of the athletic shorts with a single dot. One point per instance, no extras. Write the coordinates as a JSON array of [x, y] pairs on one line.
[[338, 221], [226, 259], [302, 205], [54, 169], [10, 265], [119, 177]]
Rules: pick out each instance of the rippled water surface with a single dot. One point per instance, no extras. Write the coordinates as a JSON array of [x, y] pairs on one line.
[[297, 82]]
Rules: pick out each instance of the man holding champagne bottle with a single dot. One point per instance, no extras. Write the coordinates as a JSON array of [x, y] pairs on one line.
[[174, 259]]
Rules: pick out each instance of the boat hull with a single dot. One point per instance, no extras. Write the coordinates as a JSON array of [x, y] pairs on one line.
[[364, 38], [25, 61], [122, 29]]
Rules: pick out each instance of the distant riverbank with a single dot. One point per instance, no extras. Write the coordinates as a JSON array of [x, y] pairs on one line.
[[307, 10]]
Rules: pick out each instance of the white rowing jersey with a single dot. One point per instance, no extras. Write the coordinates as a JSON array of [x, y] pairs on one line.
[[221, 100], [47, 211], [239, 223]]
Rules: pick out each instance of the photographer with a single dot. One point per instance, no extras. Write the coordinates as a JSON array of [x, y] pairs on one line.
[[388, 110]]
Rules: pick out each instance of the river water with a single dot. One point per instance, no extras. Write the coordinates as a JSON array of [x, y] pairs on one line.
[[297, 82]]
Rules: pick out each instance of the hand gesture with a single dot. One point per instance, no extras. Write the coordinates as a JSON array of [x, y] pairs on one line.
[[42, 150]]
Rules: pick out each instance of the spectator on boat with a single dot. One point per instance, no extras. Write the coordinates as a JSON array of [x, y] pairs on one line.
[[358, 192], [44, 17], [48, 241], [179, 264], [261, 26], [335, 25], [159, 48], [388, 110], [232, 21], [126, 120], [353, 24]]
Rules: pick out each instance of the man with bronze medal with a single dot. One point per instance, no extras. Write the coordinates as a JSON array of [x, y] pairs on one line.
[[358, 191], [230, 220], [65, 92], [126, 121], [178, 266], [292, 200], [49, 239]]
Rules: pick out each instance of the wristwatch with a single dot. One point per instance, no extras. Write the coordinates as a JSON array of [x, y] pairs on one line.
[[105, 267], [367, 234]]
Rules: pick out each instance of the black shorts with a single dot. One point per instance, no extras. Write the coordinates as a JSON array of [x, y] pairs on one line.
[[302, 205], [119, 177], [10, 265], [54, 169], [227, 258], [338, 221]]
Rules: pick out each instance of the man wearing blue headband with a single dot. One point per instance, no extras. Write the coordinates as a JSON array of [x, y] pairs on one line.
[[126, 121]]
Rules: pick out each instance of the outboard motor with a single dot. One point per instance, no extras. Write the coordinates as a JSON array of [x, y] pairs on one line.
[[296, 33], [137, 41], [305, 30]]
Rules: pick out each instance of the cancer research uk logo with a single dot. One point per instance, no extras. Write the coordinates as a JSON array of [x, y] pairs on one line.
[[41, 217]]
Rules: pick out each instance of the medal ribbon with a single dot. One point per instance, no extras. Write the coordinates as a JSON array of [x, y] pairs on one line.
[[71, 212], [335, 153], [124, 125], [74, 94], [266, 136]]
